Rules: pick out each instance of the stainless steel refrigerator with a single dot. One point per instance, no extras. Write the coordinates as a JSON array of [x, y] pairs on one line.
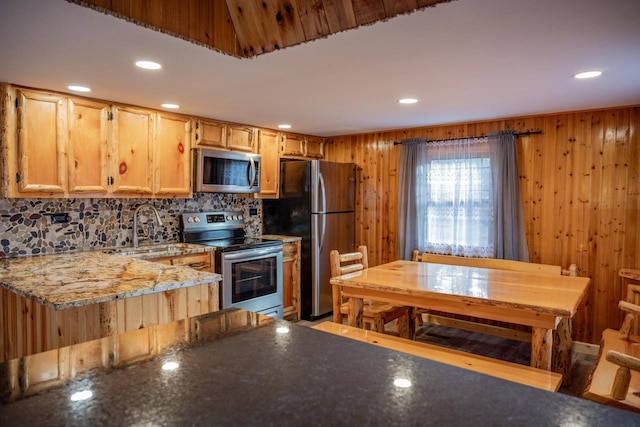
[[317, 201]]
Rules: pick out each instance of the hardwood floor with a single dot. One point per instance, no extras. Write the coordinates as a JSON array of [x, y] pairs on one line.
[[499, 348]]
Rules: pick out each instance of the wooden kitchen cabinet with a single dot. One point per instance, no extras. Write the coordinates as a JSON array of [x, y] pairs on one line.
[[241, 138], [41, 144], [172, 155], [302, 146], [292, 145], [226, 136], [133, 133], [314, 148], [268, 142], [56, 145], [291, 280], [210, 134], [88, 146]]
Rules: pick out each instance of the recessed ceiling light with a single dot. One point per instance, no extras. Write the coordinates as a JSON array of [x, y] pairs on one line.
[[407, 101], [171, 106], [148, 65], [284, 126], [587, 75], [77, 88]]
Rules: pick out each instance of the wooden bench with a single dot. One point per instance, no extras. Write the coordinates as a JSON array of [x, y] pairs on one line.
[[485, 365], [615, 377]]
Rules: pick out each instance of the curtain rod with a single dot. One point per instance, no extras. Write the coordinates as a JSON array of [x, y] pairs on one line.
[[529, 132]]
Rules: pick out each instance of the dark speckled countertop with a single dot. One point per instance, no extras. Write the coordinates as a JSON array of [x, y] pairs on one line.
[[302, 377]]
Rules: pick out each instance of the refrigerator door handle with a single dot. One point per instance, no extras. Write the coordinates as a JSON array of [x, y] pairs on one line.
[[323, 189], [324, 229]]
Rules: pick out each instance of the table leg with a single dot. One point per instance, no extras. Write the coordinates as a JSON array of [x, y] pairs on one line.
[[337, 303], [355, 312], [561, 352], [541, 346], [406, 325]]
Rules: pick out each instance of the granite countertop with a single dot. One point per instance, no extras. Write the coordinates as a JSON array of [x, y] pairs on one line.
[[75, 279], [281, 373], [159, 250], [285, 239]]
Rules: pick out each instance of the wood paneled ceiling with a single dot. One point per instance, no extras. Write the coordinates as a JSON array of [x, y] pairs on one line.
[[247, 28]]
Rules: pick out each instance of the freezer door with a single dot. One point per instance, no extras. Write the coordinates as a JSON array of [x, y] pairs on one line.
[[333, 186], [328, 231]]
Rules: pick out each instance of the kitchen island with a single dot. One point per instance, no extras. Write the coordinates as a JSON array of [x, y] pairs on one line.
[[245, 369], [53, 301]]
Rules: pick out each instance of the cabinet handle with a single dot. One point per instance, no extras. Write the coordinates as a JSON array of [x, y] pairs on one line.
[[197, 265]]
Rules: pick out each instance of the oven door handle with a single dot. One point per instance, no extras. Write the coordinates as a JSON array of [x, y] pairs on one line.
[[251, 253]]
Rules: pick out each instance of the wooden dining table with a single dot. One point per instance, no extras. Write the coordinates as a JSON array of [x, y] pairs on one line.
[[544, 302]]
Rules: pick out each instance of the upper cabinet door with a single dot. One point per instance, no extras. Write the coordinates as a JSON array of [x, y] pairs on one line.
[[133, 133], [88, 146], [314, 148], [41, 142], [270, 163], [210, 133], [240, 138], [292, 145], [172, 155]]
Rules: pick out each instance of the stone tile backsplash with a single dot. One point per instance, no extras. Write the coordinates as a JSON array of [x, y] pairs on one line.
[[26, 227]]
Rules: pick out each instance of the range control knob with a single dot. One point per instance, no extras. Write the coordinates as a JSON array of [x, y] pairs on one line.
[[190, 219], [196, 219]]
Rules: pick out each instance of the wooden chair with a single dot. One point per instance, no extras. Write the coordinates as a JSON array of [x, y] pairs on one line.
[[615, 377], [376, 314]]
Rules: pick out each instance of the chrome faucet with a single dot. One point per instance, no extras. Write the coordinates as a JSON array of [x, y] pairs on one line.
[[135, 220]]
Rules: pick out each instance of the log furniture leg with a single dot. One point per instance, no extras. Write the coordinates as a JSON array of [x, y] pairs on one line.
[[337, 301], [541, 347], [355, 312], [561, 360]]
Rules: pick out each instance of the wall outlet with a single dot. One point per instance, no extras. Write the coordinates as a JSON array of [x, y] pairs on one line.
[[57, 218], [253, 211]]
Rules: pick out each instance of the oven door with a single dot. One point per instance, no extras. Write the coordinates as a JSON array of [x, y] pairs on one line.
[[252, 280]]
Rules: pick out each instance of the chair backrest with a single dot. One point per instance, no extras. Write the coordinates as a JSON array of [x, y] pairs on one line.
[[348, 262], [631, 311], [500, 264]]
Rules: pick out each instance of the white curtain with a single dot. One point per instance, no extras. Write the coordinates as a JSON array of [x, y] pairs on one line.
[[450, 199]]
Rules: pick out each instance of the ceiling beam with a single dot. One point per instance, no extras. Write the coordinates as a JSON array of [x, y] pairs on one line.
[[247, 28]]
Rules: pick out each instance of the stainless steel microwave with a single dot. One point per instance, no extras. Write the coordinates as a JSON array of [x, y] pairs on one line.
[[226, 171]]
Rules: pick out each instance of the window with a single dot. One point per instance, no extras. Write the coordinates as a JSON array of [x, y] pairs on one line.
[[454, 200]]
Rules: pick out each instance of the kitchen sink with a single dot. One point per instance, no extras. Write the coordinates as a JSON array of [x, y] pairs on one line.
[[150, 249]]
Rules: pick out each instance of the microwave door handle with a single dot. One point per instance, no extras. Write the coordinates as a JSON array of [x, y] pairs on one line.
[[251, 172]]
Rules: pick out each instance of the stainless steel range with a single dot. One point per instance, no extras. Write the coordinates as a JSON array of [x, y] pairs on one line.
[[251, 267]]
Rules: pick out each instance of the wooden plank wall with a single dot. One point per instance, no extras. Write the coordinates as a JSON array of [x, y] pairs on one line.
[[580, 182], [248, 28]]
